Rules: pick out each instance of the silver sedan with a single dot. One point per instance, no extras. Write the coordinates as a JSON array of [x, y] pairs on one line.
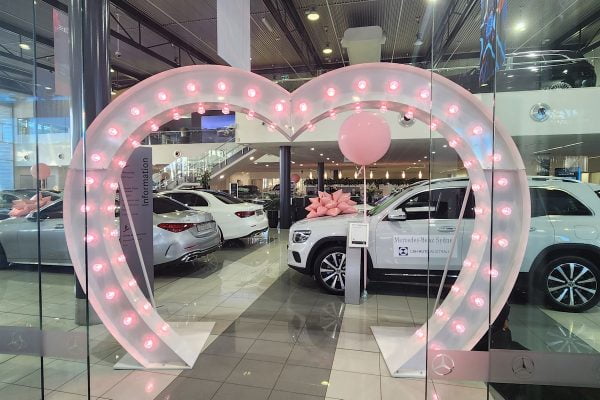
[[179, 234]]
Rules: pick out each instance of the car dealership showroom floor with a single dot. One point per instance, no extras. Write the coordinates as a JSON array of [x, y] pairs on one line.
[[277, 335]]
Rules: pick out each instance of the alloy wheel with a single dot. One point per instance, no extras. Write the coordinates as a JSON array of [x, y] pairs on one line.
[[333, 270], [572, 284]]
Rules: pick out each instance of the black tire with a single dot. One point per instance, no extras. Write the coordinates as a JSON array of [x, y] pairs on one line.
[[571, 284], [3, 260], [330, 269]]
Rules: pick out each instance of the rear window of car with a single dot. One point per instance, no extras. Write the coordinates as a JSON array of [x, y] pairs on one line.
[[227, 199], [164, 205], [549, 201]]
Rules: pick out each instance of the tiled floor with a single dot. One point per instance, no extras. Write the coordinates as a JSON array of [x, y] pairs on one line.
[[276, 336]]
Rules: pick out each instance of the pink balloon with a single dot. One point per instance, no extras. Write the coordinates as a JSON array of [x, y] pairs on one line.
[[333, 211], [44, 171], [295, 178], [364, 138]]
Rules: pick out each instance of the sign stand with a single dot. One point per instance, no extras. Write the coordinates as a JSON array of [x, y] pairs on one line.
[[358, 239]]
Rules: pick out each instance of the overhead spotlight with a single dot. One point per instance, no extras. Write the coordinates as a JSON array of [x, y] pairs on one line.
[[403, 175], [371, 175], [420, 175], [520, 26], [327, 49], [252, 158], [267, 25], [24, 46], [112, 70], [312, 14], [387, 175]]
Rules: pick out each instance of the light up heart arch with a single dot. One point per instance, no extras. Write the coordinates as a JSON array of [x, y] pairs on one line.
[[491, 159]]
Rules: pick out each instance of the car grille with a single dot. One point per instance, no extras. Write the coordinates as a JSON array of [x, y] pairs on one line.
[[206, 226]]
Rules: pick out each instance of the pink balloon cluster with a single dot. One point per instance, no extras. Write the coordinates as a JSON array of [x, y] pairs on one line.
[[330, 205], [21, 208]]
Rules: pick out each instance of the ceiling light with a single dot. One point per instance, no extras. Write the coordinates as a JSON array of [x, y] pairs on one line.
[[327, 49], [387, 175], [112, 92], [403, 175], [24, 46], [520, 26], [252, 158], [325, 175], [112, 70], [222, 176], [312, 149], [302, 165], [420, 175], [321, 154], [371, 175], [310, 176], [267, 25], [312, 14]]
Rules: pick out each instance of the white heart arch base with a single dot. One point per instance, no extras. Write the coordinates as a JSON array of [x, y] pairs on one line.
[[488, 153]]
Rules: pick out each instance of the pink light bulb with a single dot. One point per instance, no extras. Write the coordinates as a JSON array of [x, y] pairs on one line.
[[149, 388], [476, 187], [459, 327], [409, 115], [420, 334], [433, 126], [393, 86], [279, 107], [357, 108], [132, 283], [493, 273], [477, 301], [121, 258], [147, 306], [148, 344], [89, 238], [85, 208], [190, 87], [478, 210], [455, 289], [122, 163], [303, 107], [453, 143], [162, 96], [135, 144], [201, 110], [127, 320], [383, 108], [453, 109], [272, 127], [476, 236], [95, 157], [497, 157], [134, 111], [89, 180], [110, 295], [467, 263], [251, 93], [332, 115], [165, 328], [311, 127], [113, 131], [250, 115], [506, 210], [424, 94], [114, 233], [330, 92], [468, 164], [361, 85], [225, 109], [153, 127], [477, 130], [113, 185], [221, 86], [439, 312], [176, 116], [98, 267], [503, 242], [502, 181]]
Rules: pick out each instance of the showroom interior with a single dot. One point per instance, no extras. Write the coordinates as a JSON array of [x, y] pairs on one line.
[[299, 199]]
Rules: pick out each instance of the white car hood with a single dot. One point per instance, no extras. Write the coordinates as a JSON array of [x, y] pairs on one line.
[[327, 222], [194, 217]]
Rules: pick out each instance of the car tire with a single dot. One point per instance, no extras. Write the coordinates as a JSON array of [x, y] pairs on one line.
[[561, 85], [330, 269], [571, 284]]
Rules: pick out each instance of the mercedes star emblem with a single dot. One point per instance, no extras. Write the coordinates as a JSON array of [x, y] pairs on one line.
[[523, 367], [442, 364]]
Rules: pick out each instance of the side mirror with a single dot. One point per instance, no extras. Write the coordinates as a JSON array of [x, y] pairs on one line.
[[397, 215]]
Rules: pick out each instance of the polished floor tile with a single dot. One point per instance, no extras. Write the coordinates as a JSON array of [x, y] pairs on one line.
[[236, 392], [140, 385], [354, 386], [356, 361], [266, 350], [255, 373], [212, 367], [311, 356], [189, 388], [303, 380]]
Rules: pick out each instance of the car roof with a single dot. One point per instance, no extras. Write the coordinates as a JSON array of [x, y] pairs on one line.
[[532, 180]]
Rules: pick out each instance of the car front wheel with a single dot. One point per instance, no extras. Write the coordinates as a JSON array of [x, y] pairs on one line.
[[330, 269], [572, 284]]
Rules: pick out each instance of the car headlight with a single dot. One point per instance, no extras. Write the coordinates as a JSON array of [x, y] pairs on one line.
[[300, 236]]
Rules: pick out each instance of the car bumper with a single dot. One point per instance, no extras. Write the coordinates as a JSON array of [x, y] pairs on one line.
[[297, 255], [187, 249], [248, 229]]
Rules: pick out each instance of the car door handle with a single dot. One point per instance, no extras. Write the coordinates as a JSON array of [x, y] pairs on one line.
[[446, 229], [59, 226]]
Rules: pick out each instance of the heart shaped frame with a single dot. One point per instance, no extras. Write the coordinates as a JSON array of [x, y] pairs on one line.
[[491, 158]]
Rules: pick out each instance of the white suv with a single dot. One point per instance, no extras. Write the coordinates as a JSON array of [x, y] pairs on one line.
[[562, 260]]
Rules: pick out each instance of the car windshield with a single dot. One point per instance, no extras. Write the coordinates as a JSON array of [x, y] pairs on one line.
[[226, 198], [383, 203], [164, 205]]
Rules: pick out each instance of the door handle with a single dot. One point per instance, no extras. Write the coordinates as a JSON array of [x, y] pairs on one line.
[[446, 228], [59, 226]]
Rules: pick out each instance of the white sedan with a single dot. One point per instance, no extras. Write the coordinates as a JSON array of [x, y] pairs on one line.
[[236, 218]]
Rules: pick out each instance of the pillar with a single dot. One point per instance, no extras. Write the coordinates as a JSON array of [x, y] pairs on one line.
[[285, 195], [321, 176]]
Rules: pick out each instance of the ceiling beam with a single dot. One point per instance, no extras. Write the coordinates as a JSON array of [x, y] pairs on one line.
[[283, 26], [558, 43], [142, 48], [157, 28], [467, 11], [297, 20]]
